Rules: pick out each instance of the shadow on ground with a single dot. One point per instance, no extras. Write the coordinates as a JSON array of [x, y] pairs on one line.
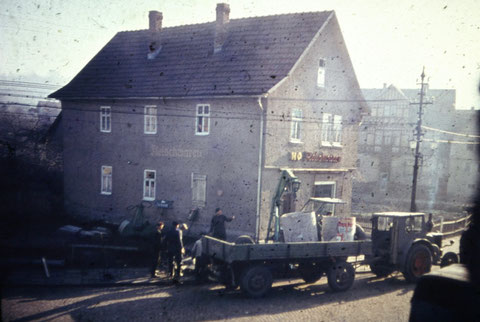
[[182, 302]]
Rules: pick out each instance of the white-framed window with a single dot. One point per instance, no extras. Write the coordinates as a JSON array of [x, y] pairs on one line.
[[202, 121], [321, 73], [296, 126], [199, 190], [331, 130], [324, 189], [150, 123], [106, 180], [149, 185], [105, 119]]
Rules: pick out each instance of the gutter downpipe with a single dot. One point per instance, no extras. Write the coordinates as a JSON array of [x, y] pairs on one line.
[[260, 166]]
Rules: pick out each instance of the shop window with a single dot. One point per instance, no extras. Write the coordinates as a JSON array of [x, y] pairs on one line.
[[150, 120], [324, 189], [202, 120], [106, 180], [105, 119], [296, 126], [199, 190], [149, 185]]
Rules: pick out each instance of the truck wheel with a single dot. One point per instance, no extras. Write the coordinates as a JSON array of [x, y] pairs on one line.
[[419, 262], [380, 267], [360, 233], [340, 276], [449, 259], [244, 240], [256, 281], [310, 272]]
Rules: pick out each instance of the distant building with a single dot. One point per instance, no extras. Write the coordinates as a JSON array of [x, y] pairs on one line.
[[31, 162], [386, 152], [208, 115]]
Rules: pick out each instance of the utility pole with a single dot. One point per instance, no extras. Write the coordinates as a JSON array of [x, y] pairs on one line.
[[418, 138]]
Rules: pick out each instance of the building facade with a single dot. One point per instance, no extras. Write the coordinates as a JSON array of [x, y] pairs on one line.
[[208, 115], [386, 152]]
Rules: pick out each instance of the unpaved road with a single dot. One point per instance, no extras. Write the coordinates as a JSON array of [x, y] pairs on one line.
[[370, 299]]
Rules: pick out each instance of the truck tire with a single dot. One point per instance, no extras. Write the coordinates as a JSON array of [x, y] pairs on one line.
[[310, 272], [381, 269], [256, 281], [419, 262], [360, 233], [449, 259], [340, 276], [244, 240]]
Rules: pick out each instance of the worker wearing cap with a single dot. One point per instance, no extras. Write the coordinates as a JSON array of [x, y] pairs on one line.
[[217, 225]]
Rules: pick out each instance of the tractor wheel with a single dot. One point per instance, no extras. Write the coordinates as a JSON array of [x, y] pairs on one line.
[[310, 272], [449, 259], [340, 276], [381, 269], [256, 281], [419, 262], [244, 240]]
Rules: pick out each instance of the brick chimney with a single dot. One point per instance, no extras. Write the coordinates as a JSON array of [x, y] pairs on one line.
[[223, 17], [154, 26], [155, 20]]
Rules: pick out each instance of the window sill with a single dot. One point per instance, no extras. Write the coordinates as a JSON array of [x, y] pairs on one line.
[[202, 133], [106, 193], [148, 199], [149, 133], [295, 142], [331, 145]]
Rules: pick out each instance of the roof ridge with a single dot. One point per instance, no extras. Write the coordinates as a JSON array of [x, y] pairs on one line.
[[234, 20]]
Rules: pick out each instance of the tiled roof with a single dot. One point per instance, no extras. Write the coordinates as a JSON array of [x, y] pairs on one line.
[[257, 54]]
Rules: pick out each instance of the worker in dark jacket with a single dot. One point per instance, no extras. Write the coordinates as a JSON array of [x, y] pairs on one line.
[[174, 246], [158, 248], [217, 225]]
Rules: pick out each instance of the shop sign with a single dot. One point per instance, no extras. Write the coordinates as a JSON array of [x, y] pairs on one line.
[[314, 157]]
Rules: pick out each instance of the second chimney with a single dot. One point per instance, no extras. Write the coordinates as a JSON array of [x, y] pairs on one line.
[[155, 21], [223, 17]]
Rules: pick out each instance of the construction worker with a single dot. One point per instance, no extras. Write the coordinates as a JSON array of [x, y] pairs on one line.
[[158, 248], [174, 247]]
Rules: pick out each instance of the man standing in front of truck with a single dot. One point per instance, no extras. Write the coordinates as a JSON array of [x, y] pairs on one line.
[[217, 225]]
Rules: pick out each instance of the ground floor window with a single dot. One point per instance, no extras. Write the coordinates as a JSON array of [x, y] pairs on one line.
[[106, 183], [324, 189], [149, 185]]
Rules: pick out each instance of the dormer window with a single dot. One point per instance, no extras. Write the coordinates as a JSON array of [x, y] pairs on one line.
[[321, 73]]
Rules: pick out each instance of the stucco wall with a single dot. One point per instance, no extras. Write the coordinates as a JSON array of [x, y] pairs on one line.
[[340, 96], [228, 156]]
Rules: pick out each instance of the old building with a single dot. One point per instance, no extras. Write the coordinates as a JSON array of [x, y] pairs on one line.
[[386, 152], [207, 115]]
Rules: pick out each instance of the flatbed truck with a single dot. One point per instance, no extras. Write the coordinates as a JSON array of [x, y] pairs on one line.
[[400, 242]]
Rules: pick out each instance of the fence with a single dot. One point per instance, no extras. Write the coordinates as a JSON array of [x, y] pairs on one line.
[[448, 228]]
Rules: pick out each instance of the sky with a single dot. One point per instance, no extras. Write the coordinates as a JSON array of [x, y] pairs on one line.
[[389, 41]]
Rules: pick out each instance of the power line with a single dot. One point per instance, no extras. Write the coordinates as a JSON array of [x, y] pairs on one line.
[[24, 83], [452, 133], [451, 142], [48, 22]]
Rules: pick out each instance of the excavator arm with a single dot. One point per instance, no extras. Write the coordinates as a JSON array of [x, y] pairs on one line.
[[288, 182]]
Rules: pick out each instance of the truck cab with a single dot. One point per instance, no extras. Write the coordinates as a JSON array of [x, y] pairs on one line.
[[402, 241]]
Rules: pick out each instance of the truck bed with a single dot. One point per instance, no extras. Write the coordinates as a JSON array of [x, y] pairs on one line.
[[230, 252]]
